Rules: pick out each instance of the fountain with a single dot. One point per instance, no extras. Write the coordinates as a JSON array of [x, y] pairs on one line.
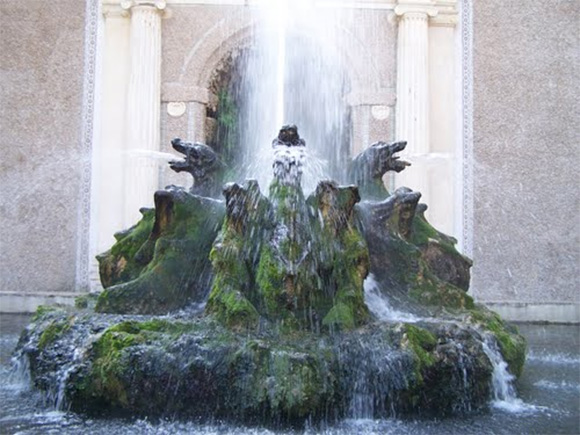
[[322, 298], [252, 309]]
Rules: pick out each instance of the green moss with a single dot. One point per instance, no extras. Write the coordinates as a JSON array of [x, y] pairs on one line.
[[422, 343], [430, 290], [297, 385], [340, 315], [227, 137], [349, 269], [121, 263], [422, 231], [176, 271], [511, 344], [302, 267], [53, 331], [270, 282], [226, 300], [107, 378], [281, 381], [108, 366], [232, 309], [162, 326], [133, 239], [41, 310], [88, 300]]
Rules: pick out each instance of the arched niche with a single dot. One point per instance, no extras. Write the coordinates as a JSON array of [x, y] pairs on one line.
[[212, 54]]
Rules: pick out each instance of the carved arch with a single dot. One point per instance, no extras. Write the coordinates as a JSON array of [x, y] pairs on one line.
[[235, 31]]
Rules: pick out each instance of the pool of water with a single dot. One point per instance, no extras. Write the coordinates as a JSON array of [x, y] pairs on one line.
[[549, 393]]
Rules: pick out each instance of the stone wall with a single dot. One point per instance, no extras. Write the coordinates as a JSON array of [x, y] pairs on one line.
[[41, 88], [526, 112]]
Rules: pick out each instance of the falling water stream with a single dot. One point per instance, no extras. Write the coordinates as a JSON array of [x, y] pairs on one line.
[[294, 74]]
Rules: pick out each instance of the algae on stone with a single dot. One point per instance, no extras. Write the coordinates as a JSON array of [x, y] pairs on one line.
[[177, 270], [293, 261]]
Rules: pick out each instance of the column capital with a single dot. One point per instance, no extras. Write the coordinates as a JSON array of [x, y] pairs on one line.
[[426, 7], [160, 5]]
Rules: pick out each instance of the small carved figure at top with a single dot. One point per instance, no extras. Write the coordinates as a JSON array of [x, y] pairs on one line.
[[289, 156], [202, 162], [289, 137]]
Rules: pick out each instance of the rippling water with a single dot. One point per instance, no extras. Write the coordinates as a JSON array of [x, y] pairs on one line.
[[549, 393]]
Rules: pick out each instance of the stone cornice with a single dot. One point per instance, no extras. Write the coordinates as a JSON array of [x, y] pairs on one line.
[[158, 4], [122, 9], [386, 97], [426, 7], [178, 92], [441, 13]]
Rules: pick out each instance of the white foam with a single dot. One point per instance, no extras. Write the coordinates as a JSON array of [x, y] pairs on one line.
[[513, 405]]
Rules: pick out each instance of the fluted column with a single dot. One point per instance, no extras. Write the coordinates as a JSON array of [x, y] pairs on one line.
[[412, 118], [143, 106]]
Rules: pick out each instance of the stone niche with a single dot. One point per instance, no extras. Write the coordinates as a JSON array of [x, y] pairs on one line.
[[198, 47]]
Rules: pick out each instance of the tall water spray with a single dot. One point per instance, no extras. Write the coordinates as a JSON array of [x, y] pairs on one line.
[[293, 74]]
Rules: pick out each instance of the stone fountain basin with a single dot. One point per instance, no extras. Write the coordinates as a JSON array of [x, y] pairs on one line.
[[192, 367]]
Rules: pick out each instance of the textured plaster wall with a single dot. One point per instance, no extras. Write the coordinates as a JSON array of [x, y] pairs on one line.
[[526, 151], [41, 77]]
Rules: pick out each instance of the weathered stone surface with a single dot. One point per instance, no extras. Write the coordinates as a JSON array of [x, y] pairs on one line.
[[286, 334], [197, 368], [234, 255], [300, 263], [409, 256], [202, 163], [288, 136], [285, 259], [162, 264], [366, 170]]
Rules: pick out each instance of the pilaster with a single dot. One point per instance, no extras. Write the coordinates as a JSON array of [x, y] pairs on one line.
[[143, 105], [412, 119]]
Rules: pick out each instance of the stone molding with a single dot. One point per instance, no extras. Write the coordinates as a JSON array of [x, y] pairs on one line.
[[129, 4], [439, 13], [82, 279], [122, 9], [445, 20], [416, 10], [384, 97], [467, 125], [405, 8]]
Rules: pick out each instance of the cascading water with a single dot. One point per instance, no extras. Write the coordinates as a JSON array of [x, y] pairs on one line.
[[502, 381], [294, 74], [380, 306]]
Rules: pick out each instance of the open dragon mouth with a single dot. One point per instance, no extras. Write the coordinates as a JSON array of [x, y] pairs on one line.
[[179, 165]]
